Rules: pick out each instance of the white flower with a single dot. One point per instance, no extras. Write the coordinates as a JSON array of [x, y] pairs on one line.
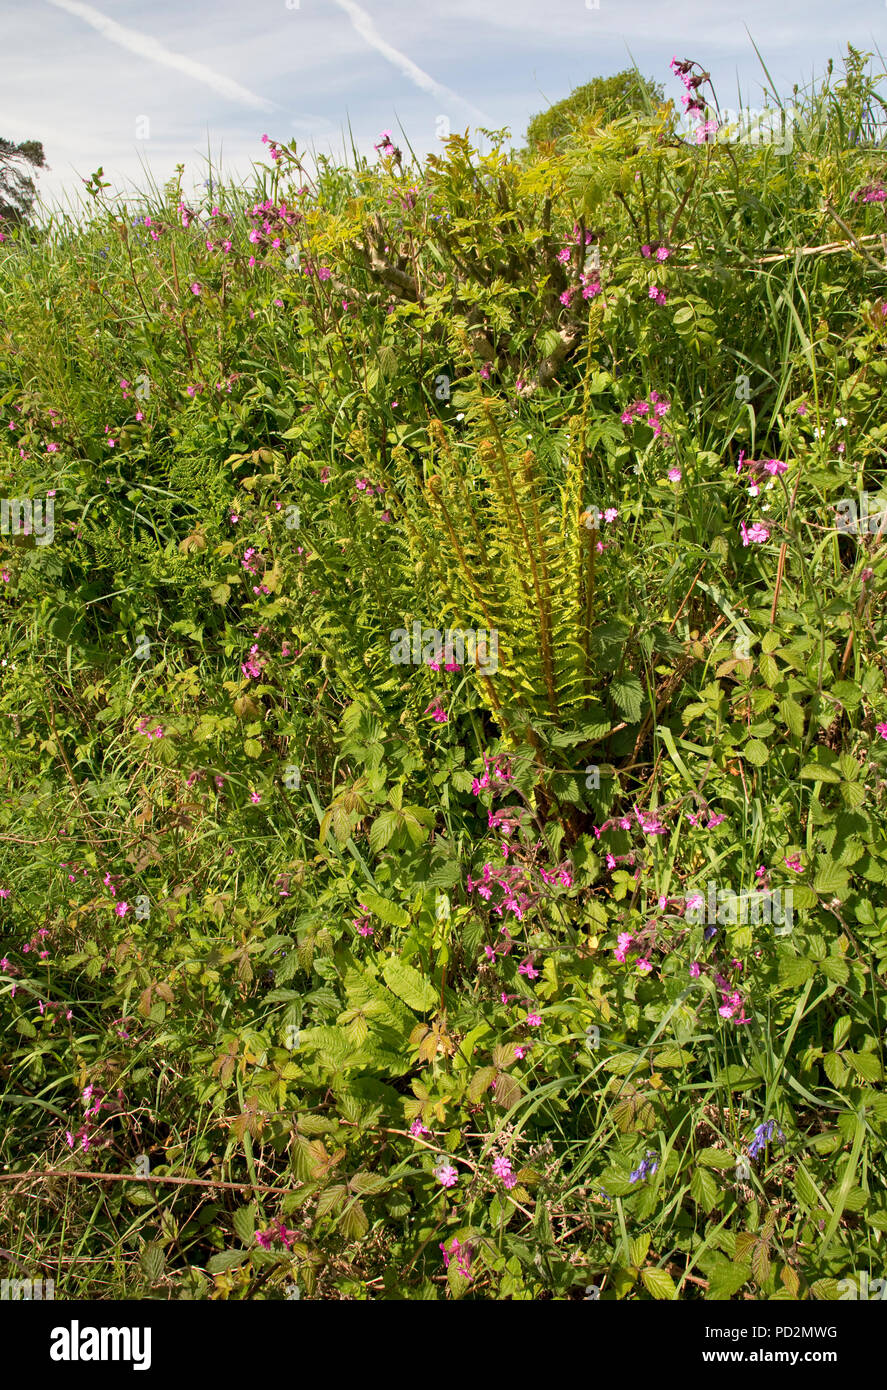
[[818, 433], [841, 420], [766, 507]]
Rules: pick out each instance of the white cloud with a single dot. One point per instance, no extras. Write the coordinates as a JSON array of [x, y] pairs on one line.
[[154, 52]]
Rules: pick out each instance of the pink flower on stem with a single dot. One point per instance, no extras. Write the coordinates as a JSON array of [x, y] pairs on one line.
[[755, 534]]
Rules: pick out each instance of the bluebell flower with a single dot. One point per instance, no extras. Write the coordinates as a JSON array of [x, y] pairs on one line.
[[648, 1165], [709, 933], [763, 1135]]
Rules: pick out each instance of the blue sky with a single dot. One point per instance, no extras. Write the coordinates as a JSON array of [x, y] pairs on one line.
[[135, 86]]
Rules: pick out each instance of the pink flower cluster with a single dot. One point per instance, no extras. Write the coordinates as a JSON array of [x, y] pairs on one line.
[[591, 286], [437, 711], [732, 1001], [276, 1231], [362, 923], [623, 946], [691, 103], [435, 664], [502, 1169], [142, 728], [253, 667], [248, 563], [271, 222], [757, 467], [496, 775], [384, 145], [651, 411], [460, 1255], [755, 534], [99, 1103]]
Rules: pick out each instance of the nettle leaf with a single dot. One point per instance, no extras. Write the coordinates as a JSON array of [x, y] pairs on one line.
[[638, 1249], [853, 794], [769, 669], [867, 1065], [628, 694], [795, 971], [835, 968], [831, 880], [841, 1031]]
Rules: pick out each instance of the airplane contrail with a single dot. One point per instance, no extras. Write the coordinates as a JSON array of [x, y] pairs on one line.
[[154, 52], [365, 26]]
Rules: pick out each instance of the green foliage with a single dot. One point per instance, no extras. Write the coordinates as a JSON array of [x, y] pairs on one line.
[[606, 98], [395, 962]]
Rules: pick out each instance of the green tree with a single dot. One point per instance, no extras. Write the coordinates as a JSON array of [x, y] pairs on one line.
[[613, 96], [17, 187]]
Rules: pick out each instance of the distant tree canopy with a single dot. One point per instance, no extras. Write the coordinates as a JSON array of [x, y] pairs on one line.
[[615, 96], [17, 188]]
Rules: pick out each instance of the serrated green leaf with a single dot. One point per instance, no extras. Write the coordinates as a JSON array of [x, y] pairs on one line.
[[659, 1283], [715, 1158], [153, 1261], [628, 694], [244, 1223], [354, 1222], [757, 752], [387, 911], [409, 985], [793, 715], [818, 772], [226, 1259], [704, 1189]]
